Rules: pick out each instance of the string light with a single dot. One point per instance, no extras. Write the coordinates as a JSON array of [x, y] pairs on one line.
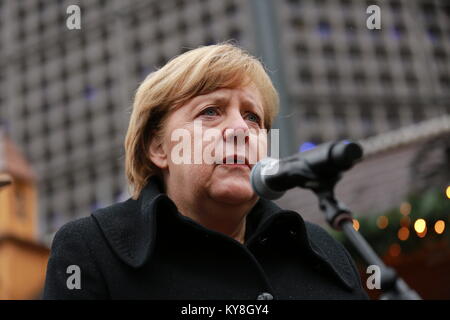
[[405, 222], [422, 234], [447, 192], [403, 233], [382, 222], [420, 225], [439, 226], [356, 224], [405, 208]]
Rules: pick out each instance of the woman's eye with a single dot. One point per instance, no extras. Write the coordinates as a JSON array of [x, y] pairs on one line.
[[253, 117], [211, 111]]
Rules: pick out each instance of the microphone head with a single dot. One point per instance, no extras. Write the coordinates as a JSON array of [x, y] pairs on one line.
[[345, 154], [258, 182]]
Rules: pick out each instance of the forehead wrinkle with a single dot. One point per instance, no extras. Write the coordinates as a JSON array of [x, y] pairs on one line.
[[223, 96], [251, 102], [248, 99], [214, 96]]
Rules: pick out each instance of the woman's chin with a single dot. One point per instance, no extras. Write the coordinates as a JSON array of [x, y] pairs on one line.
[[233, 192]]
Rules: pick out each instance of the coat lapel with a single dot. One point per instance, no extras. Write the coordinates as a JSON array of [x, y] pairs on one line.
[[130, 226]]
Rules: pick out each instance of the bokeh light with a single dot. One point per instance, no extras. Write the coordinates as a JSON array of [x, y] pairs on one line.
[[307, 146], [403, 233], [382, 222], [423, 233], [405, 208], [356, 224], [405, 221], [439, 226], [420, 225]]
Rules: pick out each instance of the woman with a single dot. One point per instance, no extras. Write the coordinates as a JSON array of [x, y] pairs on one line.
[[195, 229]]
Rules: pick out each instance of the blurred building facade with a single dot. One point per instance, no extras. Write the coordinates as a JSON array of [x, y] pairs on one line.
[[65, 95]]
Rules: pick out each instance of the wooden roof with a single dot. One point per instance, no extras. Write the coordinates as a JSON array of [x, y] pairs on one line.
[[12, 161]]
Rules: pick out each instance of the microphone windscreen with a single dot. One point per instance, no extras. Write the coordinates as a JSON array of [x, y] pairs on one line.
[[258, 182]]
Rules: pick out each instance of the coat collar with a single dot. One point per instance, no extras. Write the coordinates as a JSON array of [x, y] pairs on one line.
[[130, 226]]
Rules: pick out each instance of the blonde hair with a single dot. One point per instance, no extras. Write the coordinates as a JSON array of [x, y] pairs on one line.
[[195, 72]]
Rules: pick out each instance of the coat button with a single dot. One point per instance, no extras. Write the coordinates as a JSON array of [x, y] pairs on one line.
[[263, 240], [265, 296], [293, 233]]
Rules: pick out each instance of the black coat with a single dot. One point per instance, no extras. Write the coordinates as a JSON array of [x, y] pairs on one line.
[[145, 249]]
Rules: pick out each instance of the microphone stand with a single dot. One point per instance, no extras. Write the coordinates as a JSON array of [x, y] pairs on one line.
[[320, 170], [340, 218]]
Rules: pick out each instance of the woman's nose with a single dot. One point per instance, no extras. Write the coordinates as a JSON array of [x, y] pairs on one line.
[[235, 127]]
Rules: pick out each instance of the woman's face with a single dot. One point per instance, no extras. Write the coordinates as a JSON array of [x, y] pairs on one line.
[[210, 144]]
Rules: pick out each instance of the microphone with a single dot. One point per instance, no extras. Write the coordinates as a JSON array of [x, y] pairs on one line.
[[270, 178]]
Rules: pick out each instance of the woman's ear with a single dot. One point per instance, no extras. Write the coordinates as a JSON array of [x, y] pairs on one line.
[[156, 152]]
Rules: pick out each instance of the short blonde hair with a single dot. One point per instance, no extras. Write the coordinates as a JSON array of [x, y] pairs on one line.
[[195, 72]]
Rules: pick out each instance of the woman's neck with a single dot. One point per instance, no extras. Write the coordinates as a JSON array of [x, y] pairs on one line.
[[221, 217]]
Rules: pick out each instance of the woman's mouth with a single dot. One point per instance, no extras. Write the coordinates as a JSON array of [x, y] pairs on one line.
[[235, 161]]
